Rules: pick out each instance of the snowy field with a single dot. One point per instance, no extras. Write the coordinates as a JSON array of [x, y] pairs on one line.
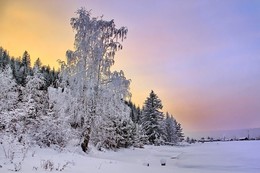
[[217, 157]]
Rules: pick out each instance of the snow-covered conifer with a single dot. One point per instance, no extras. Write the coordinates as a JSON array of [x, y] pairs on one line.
[[179, 132], [152, 119], [170, 129], [8, 88]]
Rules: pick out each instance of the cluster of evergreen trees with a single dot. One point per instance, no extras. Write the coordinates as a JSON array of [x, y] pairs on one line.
[[25, 112], [21, 68], [85, 102], [158, 128]]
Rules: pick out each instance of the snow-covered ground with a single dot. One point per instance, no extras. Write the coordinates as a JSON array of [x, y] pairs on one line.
[[221, 157]]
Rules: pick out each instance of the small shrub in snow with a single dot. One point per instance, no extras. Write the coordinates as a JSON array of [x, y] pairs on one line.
[[9, 155], [61, 168], [47, 165], [17, 167], [14, 151]]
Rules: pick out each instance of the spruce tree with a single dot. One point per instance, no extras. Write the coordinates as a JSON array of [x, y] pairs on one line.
[[4, 59], [170, 129], [152, 119], [135, 113], [37, 65], [25, 69], [180, 135], [26, 63]]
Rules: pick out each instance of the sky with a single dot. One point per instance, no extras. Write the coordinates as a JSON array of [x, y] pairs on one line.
[[202, 58]]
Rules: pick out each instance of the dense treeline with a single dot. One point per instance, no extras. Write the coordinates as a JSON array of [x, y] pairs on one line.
[[85, 102], [21, 68], [158, 127], [146, 125]]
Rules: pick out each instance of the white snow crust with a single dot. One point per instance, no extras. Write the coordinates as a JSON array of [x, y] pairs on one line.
[[215, 157]]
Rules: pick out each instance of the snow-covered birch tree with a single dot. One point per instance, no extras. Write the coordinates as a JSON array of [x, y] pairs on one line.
[[87, 71]]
